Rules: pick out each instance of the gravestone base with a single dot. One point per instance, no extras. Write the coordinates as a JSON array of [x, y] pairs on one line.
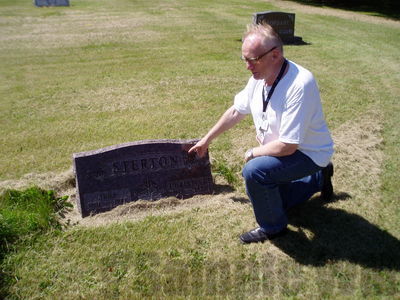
[[146, 170]]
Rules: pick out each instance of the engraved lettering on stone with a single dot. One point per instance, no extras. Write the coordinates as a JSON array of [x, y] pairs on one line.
[[147, 164], [106, 200], [189, 185]]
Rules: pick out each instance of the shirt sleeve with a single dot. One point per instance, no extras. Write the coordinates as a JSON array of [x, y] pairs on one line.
[[242, 99]]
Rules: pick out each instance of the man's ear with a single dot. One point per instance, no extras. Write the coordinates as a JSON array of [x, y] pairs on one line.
[[275, 54]]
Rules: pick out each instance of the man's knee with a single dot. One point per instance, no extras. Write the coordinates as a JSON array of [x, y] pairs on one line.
[[248, 171], [254, 171]]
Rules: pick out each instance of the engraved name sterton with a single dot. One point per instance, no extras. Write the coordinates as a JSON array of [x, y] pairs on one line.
[[146, 170], [148, 164]]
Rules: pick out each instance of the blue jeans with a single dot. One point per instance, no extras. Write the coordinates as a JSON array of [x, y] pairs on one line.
[[275, 184]]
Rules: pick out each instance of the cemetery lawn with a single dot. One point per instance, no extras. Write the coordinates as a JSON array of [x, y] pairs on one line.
[[100, 73]]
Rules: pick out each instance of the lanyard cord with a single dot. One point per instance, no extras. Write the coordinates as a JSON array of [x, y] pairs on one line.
[[271, 91]]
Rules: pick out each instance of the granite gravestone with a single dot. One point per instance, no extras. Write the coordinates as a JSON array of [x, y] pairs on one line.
[[283, 24], [148, 170], [41, 3]]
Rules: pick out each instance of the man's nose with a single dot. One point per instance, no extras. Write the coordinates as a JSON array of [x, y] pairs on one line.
[[249, 66]]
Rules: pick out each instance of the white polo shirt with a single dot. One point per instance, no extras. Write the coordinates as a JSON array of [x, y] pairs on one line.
[[294, 113]]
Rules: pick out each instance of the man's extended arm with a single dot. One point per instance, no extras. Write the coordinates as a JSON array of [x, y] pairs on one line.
[[230, 118]]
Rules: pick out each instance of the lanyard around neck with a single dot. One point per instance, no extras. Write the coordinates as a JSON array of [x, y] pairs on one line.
[[271, 91]]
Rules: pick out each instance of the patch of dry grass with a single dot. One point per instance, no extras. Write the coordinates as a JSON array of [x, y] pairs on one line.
[[63, 183], [53, 32], [358, 160]]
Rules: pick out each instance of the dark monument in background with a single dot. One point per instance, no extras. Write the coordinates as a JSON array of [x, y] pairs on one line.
[[41, 3], [283, 24], [148, 170]]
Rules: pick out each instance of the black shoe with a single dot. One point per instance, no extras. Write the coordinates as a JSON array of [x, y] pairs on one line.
[[327, 188], [258, 235]]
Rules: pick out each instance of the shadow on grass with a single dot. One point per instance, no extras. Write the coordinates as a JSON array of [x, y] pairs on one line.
[[338, 235], [222, 189], [385, 8]]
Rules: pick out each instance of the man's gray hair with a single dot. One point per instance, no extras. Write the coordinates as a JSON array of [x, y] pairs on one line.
[[267, 33]]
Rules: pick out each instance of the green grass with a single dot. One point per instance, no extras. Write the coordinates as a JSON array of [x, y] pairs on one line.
[[24, 216], [158, 257], [29, 211], [100, 73]]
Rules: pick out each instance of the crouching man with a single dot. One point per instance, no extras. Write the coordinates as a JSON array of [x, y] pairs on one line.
[[292, 161]]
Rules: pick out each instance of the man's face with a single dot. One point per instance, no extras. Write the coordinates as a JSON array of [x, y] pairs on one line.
[[257, 56]]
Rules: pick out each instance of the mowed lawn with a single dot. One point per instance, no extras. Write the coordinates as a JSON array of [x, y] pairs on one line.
[[100, 73]]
